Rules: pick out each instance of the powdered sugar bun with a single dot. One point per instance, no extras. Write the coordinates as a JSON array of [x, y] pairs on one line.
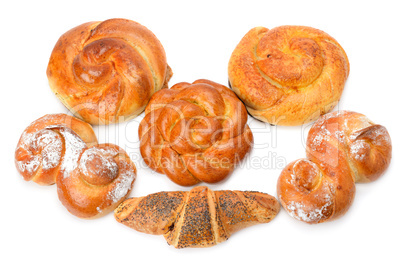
[[101, 179], [40, 150], [342, 148], [92, 179]]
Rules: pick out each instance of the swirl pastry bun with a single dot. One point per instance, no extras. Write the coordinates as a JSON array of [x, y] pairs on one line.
[[91, 178], [342, 148], [288, 75], [105, 72], [194, 132]]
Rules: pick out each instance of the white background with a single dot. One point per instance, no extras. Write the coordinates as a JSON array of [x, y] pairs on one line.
[[198, 38]]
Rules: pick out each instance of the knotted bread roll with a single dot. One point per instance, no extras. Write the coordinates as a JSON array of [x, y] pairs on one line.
[[288, 75], [105, 72], [194, 132], [342, 148], [92, 179]]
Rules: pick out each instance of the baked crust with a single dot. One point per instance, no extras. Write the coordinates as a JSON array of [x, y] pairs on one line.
[[195, 132], [106, 72], [289, 75]]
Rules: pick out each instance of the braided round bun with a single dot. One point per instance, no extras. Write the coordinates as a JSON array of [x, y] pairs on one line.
[[92, 179], [195, 132], [342, 148], [288, 75], [105, 72]]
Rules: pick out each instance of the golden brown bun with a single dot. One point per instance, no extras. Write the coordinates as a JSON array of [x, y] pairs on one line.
[[342, 148], [92, 179], [194, 132], [198, 218], [288, 75], [105, 72]]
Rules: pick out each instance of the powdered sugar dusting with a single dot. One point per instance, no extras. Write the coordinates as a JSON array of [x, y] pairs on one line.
[[52, 147], [74, 146], [293, 178], [323, 134], [357, 149], [365, 122], [381, 137], [340, 135], [107, 166], [45, 147], [29, 166], [374, 135], [332, 115], [384, 139], [125, 180], [299, 211]]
